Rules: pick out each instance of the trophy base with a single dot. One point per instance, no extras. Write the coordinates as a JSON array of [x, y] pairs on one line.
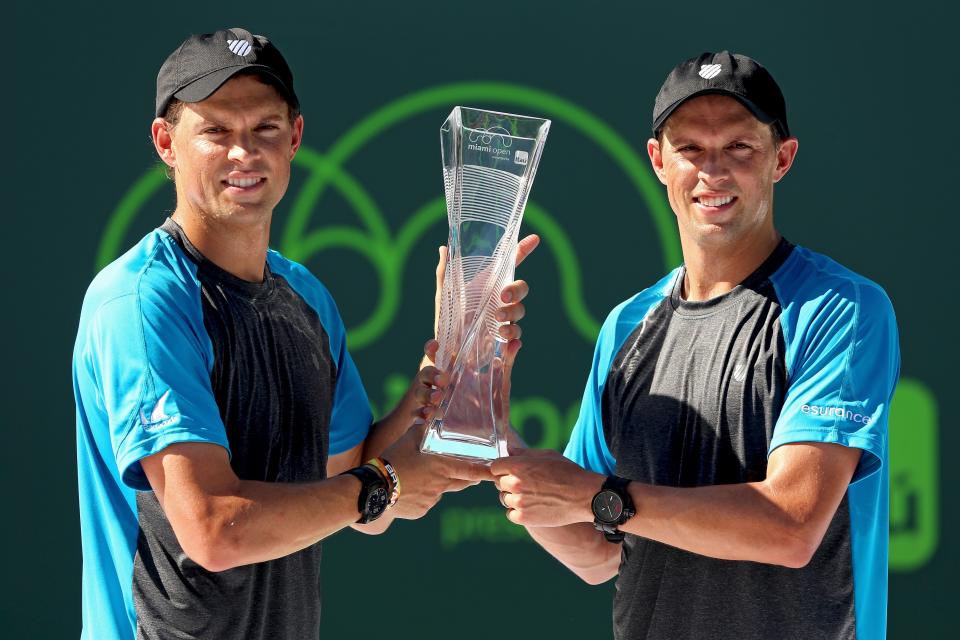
[[463, 447]]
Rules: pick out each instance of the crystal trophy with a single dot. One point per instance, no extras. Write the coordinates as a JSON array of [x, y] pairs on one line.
[[489, 161]]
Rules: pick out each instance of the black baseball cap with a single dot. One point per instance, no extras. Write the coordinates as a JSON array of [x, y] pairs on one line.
[[203, 63], [723, 73]]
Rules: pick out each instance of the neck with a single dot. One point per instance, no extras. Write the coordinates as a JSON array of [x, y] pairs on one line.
[[238, 248], [713, 270]]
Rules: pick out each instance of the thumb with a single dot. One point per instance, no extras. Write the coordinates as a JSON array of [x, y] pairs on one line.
[[473, 471]]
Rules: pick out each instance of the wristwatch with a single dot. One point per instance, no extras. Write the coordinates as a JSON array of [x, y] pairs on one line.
[[612, 506], [374, 496]]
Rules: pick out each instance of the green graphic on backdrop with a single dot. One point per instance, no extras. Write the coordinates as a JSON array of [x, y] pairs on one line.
[[913, 420], [388, 254], [914, 474]]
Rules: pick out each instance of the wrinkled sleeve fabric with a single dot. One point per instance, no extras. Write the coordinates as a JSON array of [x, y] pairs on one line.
[[843, 361], [153, 359]]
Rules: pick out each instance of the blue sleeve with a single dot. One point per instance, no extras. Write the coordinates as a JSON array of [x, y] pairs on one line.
[[152, 357], [351, 417], [587, 446], [843, 362]]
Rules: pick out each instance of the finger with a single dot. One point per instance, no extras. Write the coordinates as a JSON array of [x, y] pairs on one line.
[[510, 331], [508, 483], [430, 349], [459, 485], [526, 246], [442, 263], [430, 376], [441, 272], [514, 291], [501, 496], [510, 500], [510, 353], [512, 312], [427, 396], [473, 471], [502, 466]]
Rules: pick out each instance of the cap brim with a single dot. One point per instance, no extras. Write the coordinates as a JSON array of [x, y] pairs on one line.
[[757, 112], [203, 88]]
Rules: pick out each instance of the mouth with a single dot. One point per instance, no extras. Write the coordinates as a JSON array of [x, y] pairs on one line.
[[714, 204], [243, 185]]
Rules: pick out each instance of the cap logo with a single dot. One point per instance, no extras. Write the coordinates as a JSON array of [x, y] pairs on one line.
[[239, 47], [708, 71]]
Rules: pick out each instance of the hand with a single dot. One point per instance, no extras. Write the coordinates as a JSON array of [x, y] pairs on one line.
[[425, 477], [541, 488], [426, 390], [512, 294]]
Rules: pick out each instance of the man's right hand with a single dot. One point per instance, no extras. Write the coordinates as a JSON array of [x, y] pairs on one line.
[[425, 477]]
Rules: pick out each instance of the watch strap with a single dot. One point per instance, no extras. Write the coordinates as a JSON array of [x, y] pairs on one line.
[[611, 531], [369, 478]]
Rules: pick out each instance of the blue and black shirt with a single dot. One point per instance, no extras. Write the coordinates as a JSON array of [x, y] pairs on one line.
[[689, 394], [173, 349]]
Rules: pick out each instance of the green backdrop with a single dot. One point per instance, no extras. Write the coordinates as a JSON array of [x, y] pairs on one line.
[[869, 90]]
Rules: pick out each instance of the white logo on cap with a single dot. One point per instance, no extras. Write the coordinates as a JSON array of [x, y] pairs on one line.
[[240, 47], [709, 70]]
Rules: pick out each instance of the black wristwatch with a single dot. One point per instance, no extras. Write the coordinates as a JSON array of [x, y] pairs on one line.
[[374, 495], [612, 506]]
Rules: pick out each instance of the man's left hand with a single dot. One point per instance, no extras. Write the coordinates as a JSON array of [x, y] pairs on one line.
[[541, 488]]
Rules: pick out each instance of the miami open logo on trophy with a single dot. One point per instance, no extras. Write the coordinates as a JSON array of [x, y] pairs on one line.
[[489, 162]]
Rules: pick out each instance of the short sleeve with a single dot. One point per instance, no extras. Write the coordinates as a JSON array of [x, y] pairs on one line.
[[351, 417], [151, 357], [843, 363], [587, 446]]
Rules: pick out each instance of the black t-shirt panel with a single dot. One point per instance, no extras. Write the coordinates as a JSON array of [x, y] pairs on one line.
[[273, 379], [691, 399]]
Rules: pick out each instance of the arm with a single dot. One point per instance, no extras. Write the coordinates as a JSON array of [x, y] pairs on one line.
[[224, 522], [780, 520]]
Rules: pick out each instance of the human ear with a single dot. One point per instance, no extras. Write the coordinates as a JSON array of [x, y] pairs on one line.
[[656, 159], [163, 142], [785, 155]]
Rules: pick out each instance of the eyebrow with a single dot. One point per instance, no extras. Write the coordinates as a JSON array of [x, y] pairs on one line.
[[273, 117]]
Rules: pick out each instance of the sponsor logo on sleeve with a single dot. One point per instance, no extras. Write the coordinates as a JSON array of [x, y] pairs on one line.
[[839, 412], [158, 418]]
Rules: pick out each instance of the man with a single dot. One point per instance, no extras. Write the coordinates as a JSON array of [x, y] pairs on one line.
[[732, 440], [222, 426]]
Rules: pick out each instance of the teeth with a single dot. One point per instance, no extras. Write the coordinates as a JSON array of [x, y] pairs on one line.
[[242, 182], [716, 202]]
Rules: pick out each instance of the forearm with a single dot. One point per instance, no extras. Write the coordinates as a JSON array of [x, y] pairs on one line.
[[580, 548], [731, 522], [253, 522], [390, 428]]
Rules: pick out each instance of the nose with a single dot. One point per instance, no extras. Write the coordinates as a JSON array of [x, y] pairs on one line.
[[243, 148], [713, 169]]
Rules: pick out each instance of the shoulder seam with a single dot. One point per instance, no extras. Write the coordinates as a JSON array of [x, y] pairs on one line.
[[131, 419], [849, 356]]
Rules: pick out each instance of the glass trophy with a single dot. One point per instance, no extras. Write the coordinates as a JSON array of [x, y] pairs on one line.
[[489, 161]]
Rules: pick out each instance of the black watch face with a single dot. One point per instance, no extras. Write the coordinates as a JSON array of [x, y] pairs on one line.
[[377, 501], [607, 507]]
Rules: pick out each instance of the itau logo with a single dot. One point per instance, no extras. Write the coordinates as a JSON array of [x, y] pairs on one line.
[[710, 70], [239, 47]]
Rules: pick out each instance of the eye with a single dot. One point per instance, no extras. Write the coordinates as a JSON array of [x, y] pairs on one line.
[[211, 130], [688, 148], [267, 127], [740, 146]]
